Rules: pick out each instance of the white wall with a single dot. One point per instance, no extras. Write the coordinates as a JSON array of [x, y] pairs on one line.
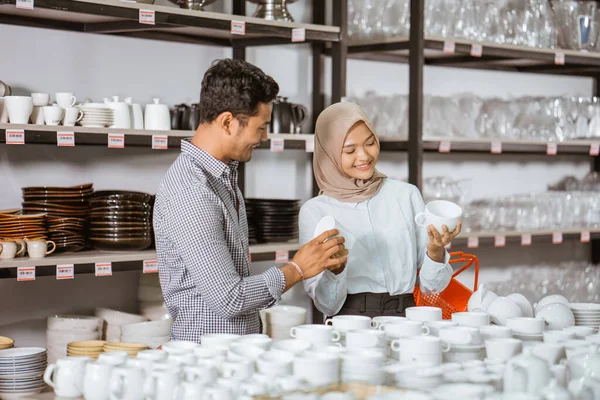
[[97, 66]]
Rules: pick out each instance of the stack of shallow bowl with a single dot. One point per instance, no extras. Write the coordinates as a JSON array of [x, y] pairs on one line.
[[89, 348], [64, 329], [21, 371], [121, 220], [113, 320], [96, 115], [152, 333], [130, 348], [66, 209], [6, 343], [278, 320], [15, 226], [586, 314]]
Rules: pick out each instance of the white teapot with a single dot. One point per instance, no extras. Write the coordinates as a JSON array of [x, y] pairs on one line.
[[585, 389], [555, 392], [481, 299], [526, 373], [585, 364]]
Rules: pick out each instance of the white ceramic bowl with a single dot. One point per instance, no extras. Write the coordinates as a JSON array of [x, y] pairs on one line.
[[527, 326], [471, 318], [523, 303], [147, 329], [74, 323], [553, 298], [156, 311], [481, 299], [557, 316], [115, 317], [501, 309]]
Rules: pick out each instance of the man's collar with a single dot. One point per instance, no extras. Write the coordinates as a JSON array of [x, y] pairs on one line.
[[211, 164]]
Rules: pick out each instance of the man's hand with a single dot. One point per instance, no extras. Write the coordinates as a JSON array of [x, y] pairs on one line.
[[318, 254], [437, 242]]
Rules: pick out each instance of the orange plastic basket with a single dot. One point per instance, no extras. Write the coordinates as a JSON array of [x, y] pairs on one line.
[[456, 296]]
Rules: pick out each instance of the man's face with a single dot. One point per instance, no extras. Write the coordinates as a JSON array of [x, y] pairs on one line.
[[249, 137]]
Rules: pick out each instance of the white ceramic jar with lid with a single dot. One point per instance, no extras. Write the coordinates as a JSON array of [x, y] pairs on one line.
[[157, 116]]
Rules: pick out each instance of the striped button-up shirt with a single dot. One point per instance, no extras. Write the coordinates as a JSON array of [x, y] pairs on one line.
[[202, 248]]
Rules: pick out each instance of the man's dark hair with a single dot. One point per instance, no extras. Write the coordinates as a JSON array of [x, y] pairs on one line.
[[235, 86]]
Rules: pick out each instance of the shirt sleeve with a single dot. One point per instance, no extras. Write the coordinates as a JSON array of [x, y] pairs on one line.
[[195, 225], [433, 276], [327, 290]]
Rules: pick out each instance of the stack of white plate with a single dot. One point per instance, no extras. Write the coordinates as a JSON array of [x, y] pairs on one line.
[[152, 333], [586, 314], [96, 115], [464, 353], [64, 329], [21, 372], [277, 321], [114, 319]]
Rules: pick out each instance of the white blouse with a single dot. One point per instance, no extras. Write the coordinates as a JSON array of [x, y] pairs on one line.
[[386, 247]]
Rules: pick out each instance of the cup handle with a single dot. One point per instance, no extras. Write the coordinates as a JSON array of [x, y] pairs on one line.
[[446, 347], [228, 372], [338, 344], [53, 247], [1, 248], [21, 248], [336, 336], [48, 376], [395, 345], [293, 332], [375, 325], [79, 116], [329, 322], [117, 385], [73, 100], [381, 327], [425, 330], [420, 216]]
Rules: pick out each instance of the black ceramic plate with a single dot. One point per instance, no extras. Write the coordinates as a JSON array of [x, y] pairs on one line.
[[123, 195]]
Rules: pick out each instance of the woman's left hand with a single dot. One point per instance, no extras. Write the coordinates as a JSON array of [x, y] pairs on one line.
[[437, 241]]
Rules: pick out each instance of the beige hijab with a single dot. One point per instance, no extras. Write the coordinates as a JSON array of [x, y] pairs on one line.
[[332, 127]]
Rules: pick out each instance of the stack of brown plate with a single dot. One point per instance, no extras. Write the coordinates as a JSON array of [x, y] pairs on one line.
[[87, 348], [6, 343], [15, 226], [131, 348], [66, 209], [121, 220]]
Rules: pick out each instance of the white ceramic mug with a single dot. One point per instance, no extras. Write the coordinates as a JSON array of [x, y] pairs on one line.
[[40, 99], [19, 109], [524, 325], [474, 318], [495, 332], [239, 370], [461, 336], [180, 347], [162, 384], [96, 380], [435, 326], [406, 328], [345, 323], [317, 368], [438, 213], [219, 339], [503, 349], [422, 350], [382, 320], [53, 115], [256, 340], [555, 337], [189, 391], [424, 314], [152, 355], [113, 358], [200, 374], [66, 376], [365, 338], [294, 346], [65, 99], [39, 248], [275, 363], [10, 249], [37, 116], [127, 383], [72, 115], [316, 334]]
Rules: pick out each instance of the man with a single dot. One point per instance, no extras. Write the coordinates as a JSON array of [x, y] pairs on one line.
[[200, 218]]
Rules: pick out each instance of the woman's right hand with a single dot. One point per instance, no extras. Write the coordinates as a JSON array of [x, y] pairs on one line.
[[339, 269], [323, 252]]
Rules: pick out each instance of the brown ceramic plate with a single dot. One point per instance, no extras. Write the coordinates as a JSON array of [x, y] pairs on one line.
[[23, 217], [85, 186], [47, 204], [123, 195], [121, 244]]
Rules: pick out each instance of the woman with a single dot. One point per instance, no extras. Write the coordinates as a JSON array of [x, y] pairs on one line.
[[376, 216]]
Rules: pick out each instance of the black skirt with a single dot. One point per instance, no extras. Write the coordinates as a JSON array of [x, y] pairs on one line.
[[377, 304]]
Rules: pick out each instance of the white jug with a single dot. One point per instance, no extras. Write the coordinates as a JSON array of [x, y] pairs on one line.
[[122, 116], [157, 116], [137, 114], [526, 373]]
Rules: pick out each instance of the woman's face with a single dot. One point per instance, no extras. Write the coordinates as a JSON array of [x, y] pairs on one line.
[[360, 152]]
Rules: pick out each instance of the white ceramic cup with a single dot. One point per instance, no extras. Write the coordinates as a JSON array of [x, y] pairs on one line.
[[553, 298], [435, 326], [52, 115], [424, 314], [127, 383], [503, 349], [113, 358], [217, 393], [405, 328], [256, 340], [205, 352], [146, 365], [19, 109], [294, 346], [581, 332], [387, 320], [72, 116], [275, 363], [317, 368], [190, 391], [556, 315], [162, 384], [65, 99], [422, 350], [555, 337], [438, 213], [316, 334], [180, 347], [239, 350], [345, 323], [365, 338], [40, 99], [10, 249], [461, 336], [472, 318], [239, 370], [527, 326], [183, 359], [152, 355], [96, 380], [37, 116], [66, 376], [219, 339], [200, 374], [552, 353], [39, 248]]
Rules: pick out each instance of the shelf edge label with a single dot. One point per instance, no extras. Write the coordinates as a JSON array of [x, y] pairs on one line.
[[551, 149], [65, 271], [557, 238], [25, 274], [526, 239], [473, 242], [500, 241], [585, 237], [310, 145], [277, 145], [103, 269], [147, 17], [496, 147], [238, 28], [25, 4], [298, 35], [66, 139], [476, 50], [116, 140], [160, 142], [449, 47], [150, 267], [444, 146], [15, 136], [559, 58], [594, 149], [282, 256]]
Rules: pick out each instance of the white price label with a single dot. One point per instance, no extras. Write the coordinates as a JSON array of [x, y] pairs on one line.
[[551, 149], [473, 242], [526, 239], [594, 149], [282, 256], [277, 145], [25, 4], [500, 241], [103, 269], [476, 50], [559, 58], [310, 145], [449, 47], [25, 274], [585, 237], [65, 139], [557, 238], [298, 35], [147, 17], [160, 142], [150, 266], [116, 140], [444, 147], [238, 28], [15, 136], [496, 147], [65, 271]]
